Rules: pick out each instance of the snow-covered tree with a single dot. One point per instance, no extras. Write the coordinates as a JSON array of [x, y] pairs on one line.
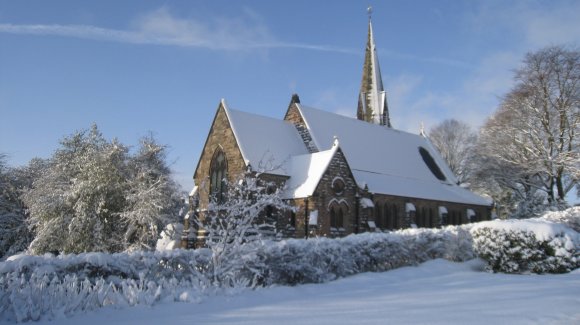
[[152, 197], [531, 143], [95, 196], [455, 141], [248, 214], [15, 235], [75, 204]]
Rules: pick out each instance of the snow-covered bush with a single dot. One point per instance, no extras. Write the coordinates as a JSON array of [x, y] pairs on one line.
[[246, 217], [569, 217], [315, 260], [48, 286], [533, 245]]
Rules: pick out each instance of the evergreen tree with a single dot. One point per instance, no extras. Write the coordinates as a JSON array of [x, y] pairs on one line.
[[15, 235], [151, 195], [75, 204]]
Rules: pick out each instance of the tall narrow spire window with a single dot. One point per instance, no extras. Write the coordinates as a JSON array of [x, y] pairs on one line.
[[218, 176]]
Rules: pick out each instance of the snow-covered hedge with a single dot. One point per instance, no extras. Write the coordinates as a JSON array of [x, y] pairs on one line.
[[533, 245], [32, 287], [570, 217], [46, 286], [323, 259]]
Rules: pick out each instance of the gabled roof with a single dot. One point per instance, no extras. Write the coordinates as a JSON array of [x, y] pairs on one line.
[[267, 144], [306, 171], [387, 160]]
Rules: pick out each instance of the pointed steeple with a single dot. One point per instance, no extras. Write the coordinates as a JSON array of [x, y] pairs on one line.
[[372, 100]]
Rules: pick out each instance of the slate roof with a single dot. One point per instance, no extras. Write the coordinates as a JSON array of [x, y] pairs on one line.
[[266, 143], [384, 159]]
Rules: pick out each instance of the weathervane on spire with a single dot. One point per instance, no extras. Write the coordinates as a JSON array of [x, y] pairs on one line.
[[370, 11]]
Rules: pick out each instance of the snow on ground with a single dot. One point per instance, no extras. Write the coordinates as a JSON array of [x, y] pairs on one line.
[[436, 292]]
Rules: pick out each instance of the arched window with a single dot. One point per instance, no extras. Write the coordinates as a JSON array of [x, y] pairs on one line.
[[218, 176], [422, 218], [333, 216], [387, 217], [378, 216], [395, 215], [337, 214], [292, 219]]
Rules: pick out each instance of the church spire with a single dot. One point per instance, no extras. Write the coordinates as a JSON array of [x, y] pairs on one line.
[[372, 100]]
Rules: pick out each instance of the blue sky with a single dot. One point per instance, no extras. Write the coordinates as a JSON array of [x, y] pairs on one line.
[[163, 66]]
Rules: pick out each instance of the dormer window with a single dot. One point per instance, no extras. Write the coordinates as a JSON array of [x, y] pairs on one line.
[[431, 164], [218, 176]]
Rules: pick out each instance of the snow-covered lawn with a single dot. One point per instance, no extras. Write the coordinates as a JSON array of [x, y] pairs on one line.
[[436, 292]]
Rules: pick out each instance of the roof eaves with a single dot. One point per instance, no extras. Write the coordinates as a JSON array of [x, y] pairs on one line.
[[236, 134], [316, 142]]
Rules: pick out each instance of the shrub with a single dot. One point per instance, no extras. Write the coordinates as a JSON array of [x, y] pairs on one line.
[[522, 246]]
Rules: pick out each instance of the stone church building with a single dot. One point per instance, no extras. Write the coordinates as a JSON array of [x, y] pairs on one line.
[[342, 175]]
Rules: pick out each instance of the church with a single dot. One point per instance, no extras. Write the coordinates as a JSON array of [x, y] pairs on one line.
[[342, 175]]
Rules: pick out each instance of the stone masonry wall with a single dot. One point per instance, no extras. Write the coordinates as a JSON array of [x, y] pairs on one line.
[[426, 208], [293, 115], [325, 195], [220, 136]]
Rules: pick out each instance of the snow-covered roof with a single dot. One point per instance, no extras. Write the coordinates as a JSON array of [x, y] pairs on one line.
[[306, 172], [366, 203], [410, 187], [193, 191], [409, 207], [443, 210], [387, 160], [266, 143]]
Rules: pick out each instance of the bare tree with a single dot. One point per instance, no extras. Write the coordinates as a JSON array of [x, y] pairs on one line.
[[455, 141], [534, 133]]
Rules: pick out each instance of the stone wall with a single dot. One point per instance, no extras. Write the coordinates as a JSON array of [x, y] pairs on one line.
[[293, 115], [326, 195], [221, 137], [427, 211]]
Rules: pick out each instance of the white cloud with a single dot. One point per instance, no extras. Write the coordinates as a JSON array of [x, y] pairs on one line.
[[161, 27], [559, 25], [534, 24], [473, 101], [531, 25]]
